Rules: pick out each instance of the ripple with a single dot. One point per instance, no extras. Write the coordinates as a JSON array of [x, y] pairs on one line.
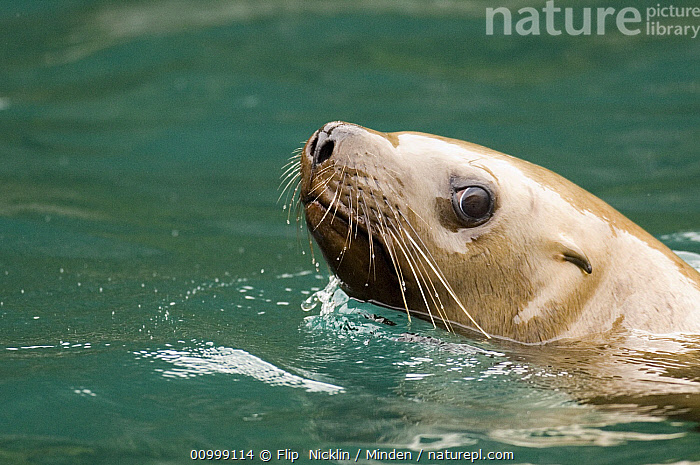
[[441, 441], [575, 435], [197, 362], [128, 21], [692, 236]]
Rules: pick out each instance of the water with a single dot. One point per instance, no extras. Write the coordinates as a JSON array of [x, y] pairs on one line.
[[151, 291]]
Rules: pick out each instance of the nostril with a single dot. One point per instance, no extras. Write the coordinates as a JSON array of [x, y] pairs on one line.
[[323, 151]]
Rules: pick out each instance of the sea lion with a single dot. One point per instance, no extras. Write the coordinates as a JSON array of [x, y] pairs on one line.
[[471, 238]]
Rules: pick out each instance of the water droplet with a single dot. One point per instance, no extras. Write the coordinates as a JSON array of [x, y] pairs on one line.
[[310, 303]]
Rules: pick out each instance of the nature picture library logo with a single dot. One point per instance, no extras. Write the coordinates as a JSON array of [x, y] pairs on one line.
[[658, 20]]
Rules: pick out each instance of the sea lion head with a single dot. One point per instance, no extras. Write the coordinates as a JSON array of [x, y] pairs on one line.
[[454, 232]]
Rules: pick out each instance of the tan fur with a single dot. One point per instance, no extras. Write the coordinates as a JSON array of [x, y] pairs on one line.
[[390, 195]]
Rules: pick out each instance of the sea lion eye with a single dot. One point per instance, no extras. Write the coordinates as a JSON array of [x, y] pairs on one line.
[[473, 205]]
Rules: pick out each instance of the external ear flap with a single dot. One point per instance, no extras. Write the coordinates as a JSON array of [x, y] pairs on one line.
[[570, 252]]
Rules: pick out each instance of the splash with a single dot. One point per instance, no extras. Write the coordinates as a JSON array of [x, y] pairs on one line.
[[330, 297]]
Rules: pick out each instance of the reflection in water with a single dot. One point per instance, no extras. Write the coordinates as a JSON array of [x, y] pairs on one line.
[[119, 22], [440, 441], [134, 20], [635, 372], [464, 391], [602, 392], [574, 435], [205, 361]]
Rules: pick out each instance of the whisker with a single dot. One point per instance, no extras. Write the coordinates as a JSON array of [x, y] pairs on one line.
[[415, 233], [368, 226], [333, 203], [291, 161], [389, 248], [448, 288], [428, 282], [348, 236], [289, 180], [357, 213], [431, 261], [311, 250], [323, 183], [293, 175], [428, 258], [323, 186], [415, 274], [291, 203], [298, 212], [421, 276], [292, 165], [338, 191], [294, 178]]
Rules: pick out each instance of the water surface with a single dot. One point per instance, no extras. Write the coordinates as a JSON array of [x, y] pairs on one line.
[[151, 291]]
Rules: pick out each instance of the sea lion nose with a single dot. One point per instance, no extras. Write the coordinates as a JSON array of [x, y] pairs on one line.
[[324, 143]]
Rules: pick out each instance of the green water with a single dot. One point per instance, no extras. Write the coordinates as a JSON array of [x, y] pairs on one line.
[[151, 289]]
